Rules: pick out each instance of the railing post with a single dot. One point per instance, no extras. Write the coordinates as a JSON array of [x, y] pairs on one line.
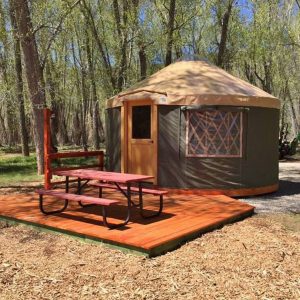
[[101, 160], [47, 147]]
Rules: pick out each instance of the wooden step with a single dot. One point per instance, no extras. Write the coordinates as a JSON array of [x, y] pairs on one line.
[[133, 189], [74, 197]]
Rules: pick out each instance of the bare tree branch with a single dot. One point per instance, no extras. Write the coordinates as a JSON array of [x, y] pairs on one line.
[[56, 31]]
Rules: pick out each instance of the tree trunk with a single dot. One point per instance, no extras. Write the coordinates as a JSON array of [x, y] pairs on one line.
[[143, 61], [77, 129], [54, 107], [90, 20], [171, 23], [19, 85], [249, 73], [34, 74], [84, 92], [96, 121], [63, 134], [9, 120], [224, 34], [77, 135], [294, 119], [84, 110], [265, 81], [140, 41], [3, 133], [122, 34]]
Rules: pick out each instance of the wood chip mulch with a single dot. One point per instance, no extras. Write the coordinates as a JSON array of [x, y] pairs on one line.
[[258, 258]]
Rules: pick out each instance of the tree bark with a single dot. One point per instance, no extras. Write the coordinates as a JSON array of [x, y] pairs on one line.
[[34, 74], [265, 81], [84, 91], [77, 133], [54, 107], [90, 20], [19, 85], [294, 119], [9, 120], [224, 34], [143, 61], [140, 42], [171, 22], [96, 121], [122, 35]]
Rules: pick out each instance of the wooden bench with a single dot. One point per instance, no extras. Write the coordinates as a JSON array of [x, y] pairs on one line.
[[123, 188], [82, 199], [133, 189]]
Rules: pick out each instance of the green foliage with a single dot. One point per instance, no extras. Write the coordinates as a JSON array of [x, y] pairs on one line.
[[263, 47]]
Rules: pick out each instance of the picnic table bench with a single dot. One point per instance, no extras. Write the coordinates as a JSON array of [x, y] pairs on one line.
[[119, 181], [78, 198], [135, 190]]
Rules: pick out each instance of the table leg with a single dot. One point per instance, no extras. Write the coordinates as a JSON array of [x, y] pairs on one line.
[[67, 184], [79, 188], [104, 213], [129, 202], [140, 198], [142, 208], [125, 194], [41, 205], [41, 202]]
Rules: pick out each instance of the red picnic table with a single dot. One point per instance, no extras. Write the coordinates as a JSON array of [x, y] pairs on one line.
[[124, 182]]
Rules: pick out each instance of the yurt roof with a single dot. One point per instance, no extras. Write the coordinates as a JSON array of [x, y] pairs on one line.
[[195, 83]]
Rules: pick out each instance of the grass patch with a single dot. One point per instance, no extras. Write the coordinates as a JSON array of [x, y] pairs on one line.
[[16, 169]]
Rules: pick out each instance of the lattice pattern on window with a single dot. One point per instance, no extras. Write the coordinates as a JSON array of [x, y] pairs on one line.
[[214, 133]]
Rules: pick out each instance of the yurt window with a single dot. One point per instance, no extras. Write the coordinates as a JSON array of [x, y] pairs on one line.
[[214, 133], [141, 122]]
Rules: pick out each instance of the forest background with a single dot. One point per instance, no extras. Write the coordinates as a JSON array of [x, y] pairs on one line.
[[73, 55]]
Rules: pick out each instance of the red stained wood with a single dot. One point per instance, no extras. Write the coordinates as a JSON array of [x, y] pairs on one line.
[[101, 175], [75, 197], [75, 154], [75, 168], [47, 146], [49, 156], [133, 189], [183, 216]]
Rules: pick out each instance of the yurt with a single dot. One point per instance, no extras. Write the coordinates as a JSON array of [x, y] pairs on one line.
[[193, 126]]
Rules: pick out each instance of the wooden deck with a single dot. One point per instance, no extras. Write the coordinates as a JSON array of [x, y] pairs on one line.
[[183, 218]]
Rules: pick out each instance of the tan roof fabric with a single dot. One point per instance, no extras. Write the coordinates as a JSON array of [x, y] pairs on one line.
[[195, 83]]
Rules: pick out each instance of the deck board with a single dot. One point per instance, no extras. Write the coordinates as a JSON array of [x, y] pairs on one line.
[[183, 217]]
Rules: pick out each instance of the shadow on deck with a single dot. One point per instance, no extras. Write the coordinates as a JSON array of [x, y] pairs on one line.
[[183, 218]]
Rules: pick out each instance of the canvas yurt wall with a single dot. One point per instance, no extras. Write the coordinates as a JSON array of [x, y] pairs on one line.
[[212, 131]]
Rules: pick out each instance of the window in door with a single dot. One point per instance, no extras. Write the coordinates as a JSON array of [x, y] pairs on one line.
[[141, 122]]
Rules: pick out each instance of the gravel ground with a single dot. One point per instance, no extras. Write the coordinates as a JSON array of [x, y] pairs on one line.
[[287, 198]]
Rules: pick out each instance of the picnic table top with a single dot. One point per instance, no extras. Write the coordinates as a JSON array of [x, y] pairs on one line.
[[102, 175]]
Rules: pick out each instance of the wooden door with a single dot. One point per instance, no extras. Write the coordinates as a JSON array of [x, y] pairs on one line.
[[142, 138]]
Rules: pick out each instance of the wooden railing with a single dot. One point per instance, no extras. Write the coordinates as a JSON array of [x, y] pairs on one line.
[[49, 155]]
